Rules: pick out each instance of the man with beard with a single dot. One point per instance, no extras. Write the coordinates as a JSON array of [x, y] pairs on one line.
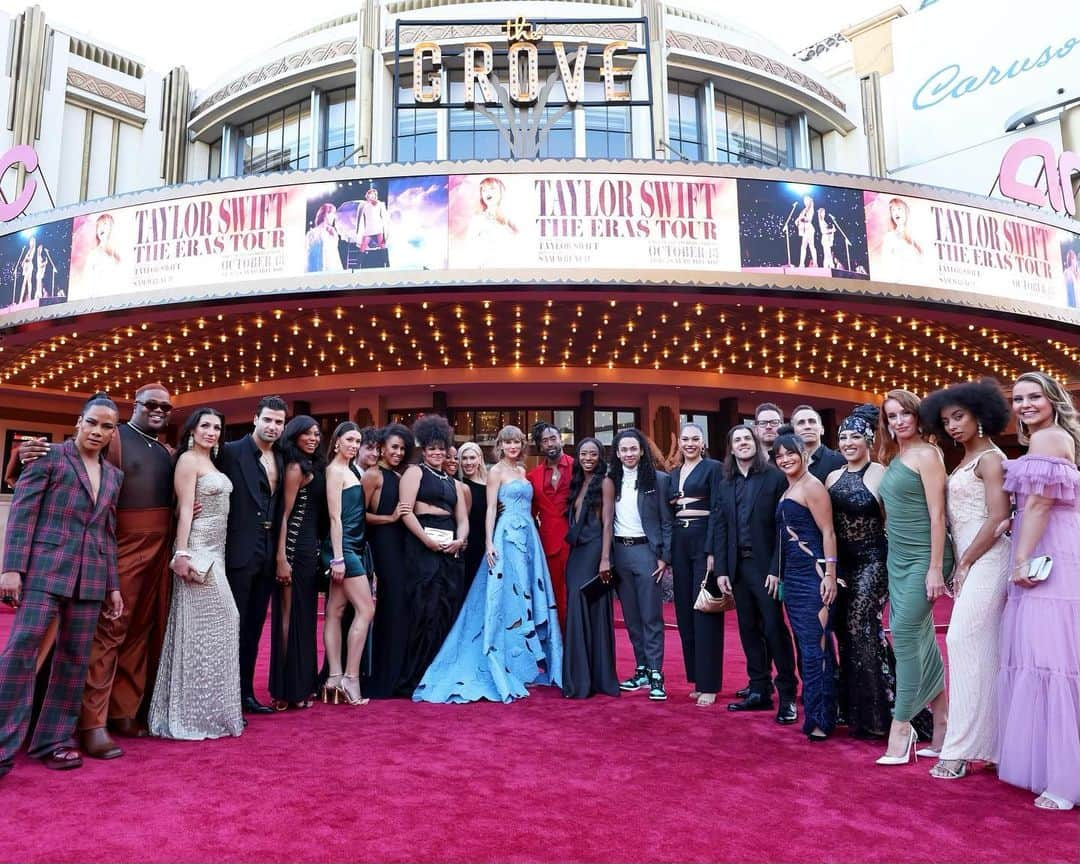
[[125, 650], [768, 418], [255, 467], [550, 480]]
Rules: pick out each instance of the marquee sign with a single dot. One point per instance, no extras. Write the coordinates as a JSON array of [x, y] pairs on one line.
[[520, 73]]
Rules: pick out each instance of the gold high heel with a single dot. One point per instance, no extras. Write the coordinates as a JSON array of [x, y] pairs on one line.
[[352, 699], [331, 691]]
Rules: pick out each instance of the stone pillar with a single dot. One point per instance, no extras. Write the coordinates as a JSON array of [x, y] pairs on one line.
[[28, 69], [438, 402], [727, 417], [585, 421], [830, 424]]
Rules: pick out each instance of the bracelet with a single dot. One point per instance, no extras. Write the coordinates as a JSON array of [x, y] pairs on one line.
[[334, 562], [181, 553]]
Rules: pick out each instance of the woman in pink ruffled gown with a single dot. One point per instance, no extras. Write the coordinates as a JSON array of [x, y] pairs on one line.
[[1039, 682]]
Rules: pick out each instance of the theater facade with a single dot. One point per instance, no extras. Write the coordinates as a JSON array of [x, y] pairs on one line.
[[597, 214]]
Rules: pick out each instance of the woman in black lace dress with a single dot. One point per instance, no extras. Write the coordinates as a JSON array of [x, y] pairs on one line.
[[868, 677], [293, 652]]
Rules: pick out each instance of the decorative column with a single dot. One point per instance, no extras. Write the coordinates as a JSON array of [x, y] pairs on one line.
[[175, 112], [30, 43], [368, 63]]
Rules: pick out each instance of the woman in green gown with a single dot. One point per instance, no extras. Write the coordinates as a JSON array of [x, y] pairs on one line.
[[913, 493]]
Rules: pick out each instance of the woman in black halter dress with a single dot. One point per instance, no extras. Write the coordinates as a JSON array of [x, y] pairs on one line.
[[390, 628]]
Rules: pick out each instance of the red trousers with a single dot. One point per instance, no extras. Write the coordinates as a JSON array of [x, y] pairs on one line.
[[126, 650], [557, 567]]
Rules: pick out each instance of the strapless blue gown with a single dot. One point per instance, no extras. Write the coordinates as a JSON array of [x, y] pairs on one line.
[[507, 635]]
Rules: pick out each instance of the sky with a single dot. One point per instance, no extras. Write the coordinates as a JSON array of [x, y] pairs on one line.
[[210, 37]]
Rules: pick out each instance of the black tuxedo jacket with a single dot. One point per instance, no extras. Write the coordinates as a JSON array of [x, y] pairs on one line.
[[247, 513], [765, 488]]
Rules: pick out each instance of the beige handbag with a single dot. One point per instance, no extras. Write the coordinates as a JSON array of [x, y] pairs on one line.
[[710, 603]]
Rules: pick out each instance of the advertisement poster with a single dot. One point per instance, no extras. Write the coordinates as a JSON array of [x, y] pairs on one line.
[[1070, 265], [233, 237], [396, 223], [801, 228], [592, 220], [34, 266], [915, 241]]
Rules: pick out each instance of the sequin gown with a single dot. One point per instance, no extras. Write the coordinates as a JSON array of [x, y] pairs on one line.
[[975, 626], [197, 694], [507, 635], [869, 667], [1039, 681]]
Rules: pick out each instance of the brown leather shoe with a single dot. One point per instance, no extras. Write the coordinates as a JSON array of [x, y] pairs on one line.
[[98, 744], [128, 728]]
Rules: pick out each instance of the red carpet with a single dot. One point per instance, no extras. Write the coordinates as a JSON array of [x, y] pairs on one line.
[[544, 779]]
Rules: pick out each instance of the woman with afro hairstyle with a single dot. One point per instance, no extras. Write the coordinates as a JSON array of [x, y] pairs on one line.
[[971, 413]]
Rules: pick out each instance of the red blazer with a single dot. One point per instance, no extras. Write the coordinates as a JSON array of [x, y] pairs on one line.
[[551, 504], [58, 538]]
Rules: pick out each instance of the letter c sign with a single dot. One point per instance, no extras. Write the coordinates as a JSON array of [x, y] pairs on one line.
[[25, 155]]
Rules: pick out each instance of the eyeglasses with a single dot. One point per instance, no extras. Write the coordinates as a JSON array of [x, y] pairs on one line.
[[774, 424], [154, 405]]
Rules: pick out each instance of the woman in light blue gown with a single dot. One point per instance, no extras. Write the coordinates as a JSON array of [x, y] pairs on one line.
[[507, 635]]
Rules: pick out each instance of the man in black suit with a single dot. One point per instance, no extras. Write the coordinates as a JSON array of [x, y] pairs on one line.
[[256, 468], [747, 563], [806, 422], [640, 553]]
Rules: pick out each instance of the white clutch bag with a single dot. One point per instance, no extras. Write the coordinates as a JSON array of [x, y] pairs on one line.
[[1039, 568], [440, 535]]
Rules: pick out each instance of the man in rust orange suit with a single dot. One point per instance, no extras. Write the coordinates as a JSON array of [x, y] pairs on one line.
[[550, 480]]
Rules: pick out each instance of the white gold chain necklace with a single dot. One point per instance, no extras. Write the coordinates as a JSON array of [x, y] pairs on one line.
[[150, 440]]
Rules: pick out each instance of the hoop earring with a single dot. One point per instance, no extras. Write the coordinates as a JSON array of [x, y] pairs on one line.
[[190, 442], [981, 431]]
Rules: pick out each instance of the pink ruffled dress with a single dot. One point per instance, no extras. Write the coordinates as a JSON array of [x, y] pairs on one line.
[[1039, 681]]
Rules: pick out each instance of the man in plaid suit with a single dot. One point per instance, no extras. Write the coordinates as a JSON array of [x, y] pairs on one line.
[[59, 560]]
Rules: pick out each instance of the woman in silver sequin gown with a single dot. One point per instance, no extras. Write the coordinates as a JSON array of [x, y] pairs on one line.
[[197, 694]]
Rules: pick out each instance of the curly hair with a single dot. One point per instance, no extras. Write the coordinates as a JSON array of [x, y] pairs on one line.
[[310, 464], [646, 470], [396, 430], [577, 480], [982, 399], [432, 429], [189, 427], [538, 430]]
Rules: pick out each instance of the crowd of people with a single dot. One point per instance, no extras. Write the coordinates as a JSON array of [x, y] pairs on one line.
[[448, 580]]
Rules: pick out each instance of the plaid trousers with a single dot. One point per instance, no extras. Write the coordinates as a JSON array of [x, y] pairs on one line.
[[60, 711]]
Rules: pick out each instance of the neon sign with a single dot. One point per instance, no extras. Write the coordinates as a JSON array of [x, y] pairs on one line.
[[26, 156]]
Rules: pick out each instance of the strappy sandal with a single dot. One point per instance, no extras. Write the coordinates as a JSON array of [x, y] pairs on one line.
[[279, 704], [949, 769], [1046, 801], [353, 698], [63, 759], [704, 700]]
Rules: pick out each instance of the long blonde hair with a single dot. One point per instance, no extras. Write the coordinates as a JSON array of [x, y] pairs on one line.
[[1065, 414], [481, 468], [887, 448]]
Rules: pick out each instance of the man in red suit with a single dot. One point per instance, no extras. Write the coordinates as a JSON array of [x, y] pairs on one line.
[[551, 496], [59, 561]]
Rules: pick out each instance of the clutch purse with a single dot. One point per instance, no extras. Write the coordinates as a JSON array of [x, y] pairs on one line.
[[596, 587], [440, 535], [203, 570], [710, 603], [1039, 568]]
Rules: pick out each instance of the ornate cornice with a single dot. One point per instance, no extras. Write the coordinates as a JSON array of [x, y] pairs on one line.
[[106, 90], [288, 63], [411, 34], [751, 60]]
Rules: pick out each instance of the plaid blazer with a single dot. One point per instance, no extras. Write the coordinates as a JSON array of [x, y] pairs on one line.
[[58, 538]]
